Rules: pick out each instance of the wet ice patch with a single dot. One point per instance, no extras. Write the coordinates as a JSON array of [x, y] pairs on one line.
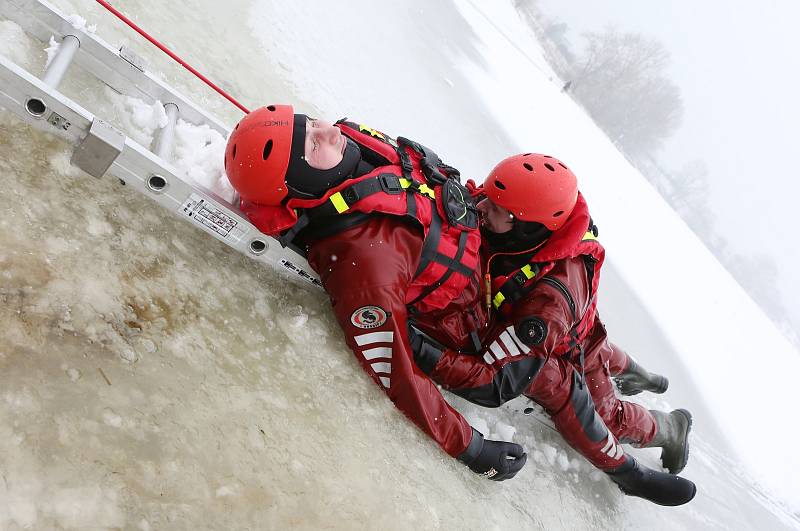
[[477, 422], [504, 432], [128, 355], [227, 491], [563, 462], [110, 418], [16, 45], [86, 507], [59, 161], [24, 401], [550, 453], [293, 322]]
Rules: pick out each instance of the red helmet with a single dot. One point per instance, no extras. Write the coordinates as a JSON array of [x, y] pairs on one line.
[[534, 188], [257, 154]]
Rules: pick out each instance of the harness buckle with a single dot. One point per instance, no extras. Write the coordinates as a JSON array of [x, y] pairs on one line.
[[390, 183], [405, 161], [431, 173], [350, 195]]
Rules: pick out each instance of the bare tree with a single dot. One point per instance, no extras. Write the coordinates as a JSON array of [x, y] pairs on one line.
[[621, 81]]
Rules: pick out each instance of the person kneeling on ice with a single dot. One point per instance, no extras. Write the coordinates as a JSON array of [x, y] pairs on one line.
[[392, 233], [542, 275]]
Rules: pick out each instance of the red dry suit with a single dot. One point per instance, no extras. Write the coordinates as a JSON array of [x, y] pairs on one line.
[[400, 239], [546, 311]]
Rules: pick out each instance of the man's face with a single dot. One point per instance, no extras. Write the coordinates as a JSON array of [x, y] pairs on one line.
[[494, 217], [325, 144]]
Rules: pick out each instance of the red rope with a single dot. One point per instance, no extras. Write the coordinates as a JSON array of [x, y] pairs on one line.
[[166, 50]]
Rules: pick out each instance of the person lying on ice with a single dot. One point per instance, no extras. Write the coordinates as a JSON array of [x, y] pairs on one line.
[[392, 233], [543, 265]]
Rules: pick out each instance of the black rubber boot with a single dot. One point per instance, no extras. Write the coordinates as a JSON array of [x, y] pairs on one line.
[[635, 479], [672, 434], [635, 379]]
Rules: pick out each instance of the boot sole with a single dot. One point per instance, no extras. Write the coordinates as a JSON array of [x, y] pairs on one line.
[[685, 457]]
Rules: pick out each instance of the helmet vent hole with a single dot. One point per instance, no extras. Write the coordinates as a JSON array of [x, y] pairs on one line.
[[528, 167], [526, 154], [237, 127], [267, 149], [549, 166], [557, 214], [233, 155], [271, 108], [562, 165], [500, 185], [547, 156]]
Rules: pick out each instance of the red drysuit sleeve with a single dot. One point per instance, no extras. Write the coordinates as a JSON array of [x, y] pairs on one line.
[[366, 271]]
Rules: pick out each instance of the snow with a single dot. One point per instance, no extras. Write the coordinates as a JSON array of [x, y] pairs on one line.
[[51, 50], [712, 323], [79, 23], [140, 119], [151, 378], [199, 152]]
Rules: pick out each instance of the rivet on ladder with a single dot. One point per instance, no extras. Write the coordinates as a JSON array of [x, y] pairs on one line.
[[258, 246], [157, 183]]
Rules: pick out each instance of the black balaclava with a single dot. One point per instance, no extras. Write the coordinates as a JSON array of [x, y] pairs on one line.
[[523, 235], [306, 182]]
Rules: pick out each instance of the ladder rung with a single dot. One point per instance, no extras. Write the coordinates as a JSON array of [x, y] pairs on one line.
[[166, 138], [58, 67]]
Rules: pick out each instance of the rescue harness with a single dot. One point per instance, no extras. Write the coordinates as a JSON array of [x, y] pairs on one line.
[[408, 180]]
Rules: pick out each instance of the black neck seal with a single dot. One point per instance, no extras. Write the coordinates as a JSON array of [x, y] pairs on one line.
[[523, 235]]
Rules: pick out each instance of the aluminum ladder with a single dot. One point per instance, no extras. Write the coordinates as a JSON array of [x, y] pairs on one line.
[[100, 148]]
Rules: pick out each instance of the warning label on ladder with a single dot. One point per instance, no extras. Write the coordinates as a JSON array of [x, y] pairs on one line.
[[212, 218], [302, 273]]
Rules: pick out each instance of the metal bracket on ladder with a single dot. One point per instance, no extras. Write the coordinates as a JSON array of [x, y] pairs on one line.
[[129, 55], [100, 148]]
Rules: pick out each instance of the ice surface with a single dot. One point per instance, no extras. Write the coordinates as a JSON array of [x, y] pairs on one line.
[[151, 378]]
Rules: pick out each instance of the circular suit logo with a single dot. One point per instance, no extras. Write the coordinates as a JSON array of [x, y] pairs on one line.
[[368, 317]]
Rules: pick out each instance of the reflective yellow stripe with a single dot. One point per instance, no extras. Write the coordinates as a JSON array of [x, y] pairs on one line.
[[498, 300], [528, 272], [589, 236], [423, 188], [371, 131], [339, 203]]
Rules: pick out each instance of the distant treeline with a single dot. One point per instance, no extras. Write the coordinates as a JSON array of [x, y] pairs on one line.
[[620, 79]]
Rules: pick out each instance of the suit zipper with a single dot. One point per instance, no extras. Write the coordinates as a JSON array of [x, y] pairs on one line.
[[565, 292]]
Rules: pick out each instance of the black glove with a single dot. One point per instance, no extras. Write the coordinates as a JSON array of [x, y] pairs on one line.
[[497, 460], [427, 352]]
